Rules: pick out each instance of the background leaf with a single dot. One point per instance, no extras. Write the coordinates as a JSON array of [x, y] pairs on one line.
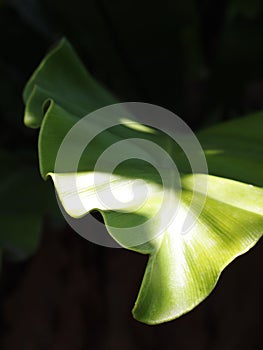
[[25, 199]]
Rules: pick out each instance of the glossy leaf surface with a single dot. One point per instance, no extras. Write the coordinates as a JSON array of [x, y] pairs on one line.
[[182, 269]]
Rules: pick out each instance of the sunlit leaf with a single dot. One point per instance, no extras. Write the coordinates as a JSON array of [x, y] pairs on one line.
[[182, 268]]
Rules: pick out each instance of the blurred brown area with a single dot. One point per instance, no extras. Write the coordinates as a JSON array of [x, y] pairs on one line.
[[75, 295]]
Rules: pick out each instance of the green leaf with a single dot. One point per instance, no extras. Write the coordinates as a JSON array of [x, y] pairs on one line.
[[62, 78], [235, 149], [183, 268], [24, 201]]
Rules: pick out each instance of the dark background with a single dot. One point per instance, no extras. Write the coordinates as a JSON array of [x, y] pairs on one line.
[[201, 59]]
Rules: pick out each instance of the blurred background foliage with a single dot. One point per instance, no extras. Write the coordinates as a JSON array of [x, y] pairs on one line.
[[202, 60]]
